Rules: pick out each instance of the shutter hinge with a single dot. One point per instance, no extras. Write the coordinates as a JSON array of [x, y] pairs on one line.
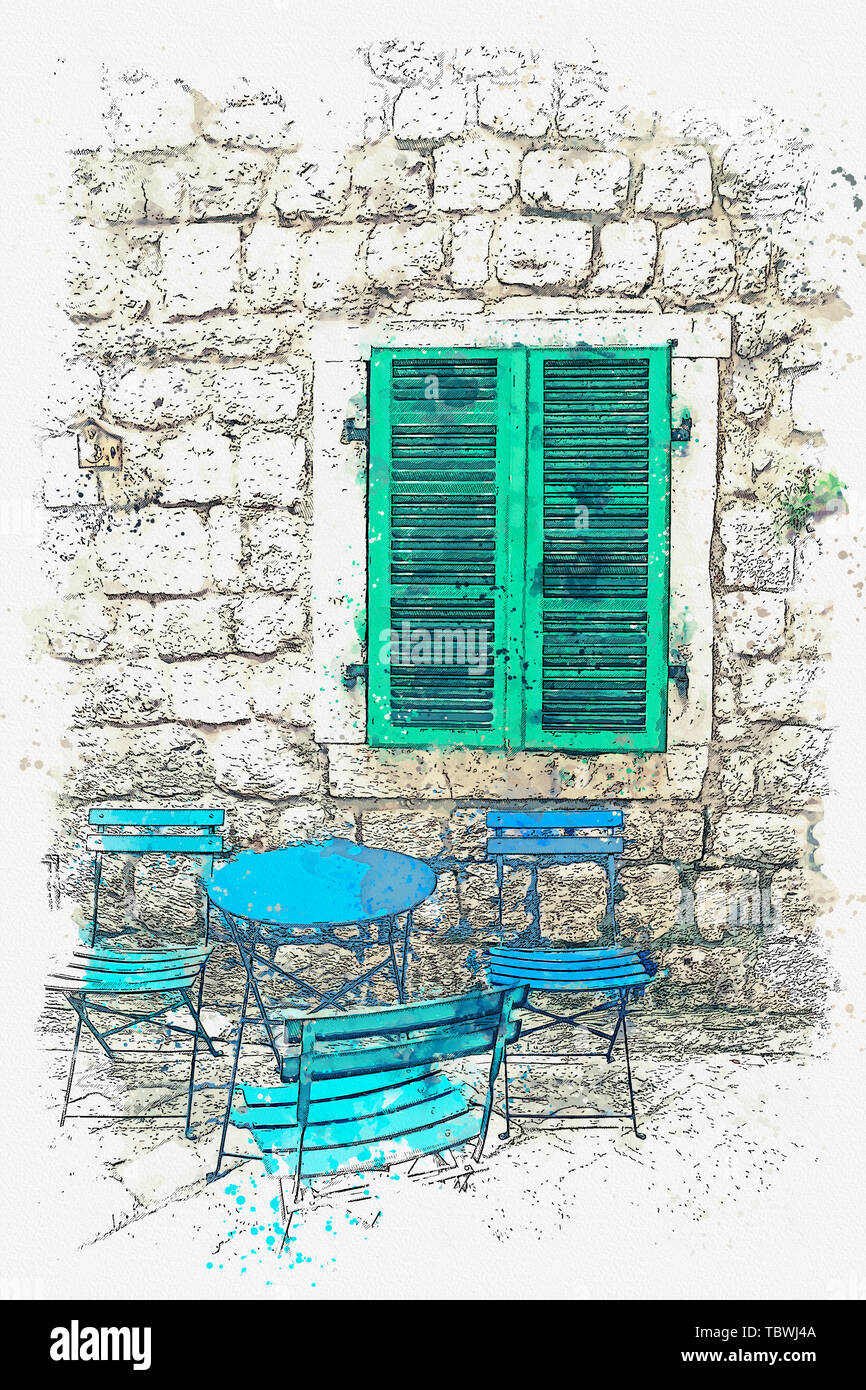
[[355, 671], [682, 433], [354, 434], [678, 672]]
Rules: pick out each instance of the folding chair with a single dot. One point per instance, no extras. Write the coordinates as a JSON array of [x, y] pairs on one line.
[[110, 974], [619, 973], [170, 972], [366, 1090]]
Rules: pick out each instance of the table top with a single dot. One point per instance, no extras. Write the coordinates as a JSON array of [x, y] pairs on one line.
[[327, 883]]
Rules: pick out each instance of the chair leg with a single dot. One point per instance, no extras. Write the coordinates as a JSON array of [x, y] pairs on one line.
[[97, 879], [71, 1073], [630, 1083], [191, 1084], [507, 1131], [211, 1177]]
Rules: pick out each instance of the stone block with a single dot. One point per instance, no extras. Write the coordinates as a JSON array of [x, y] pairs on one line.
[[683, 836], [792, 765], [425, 116], [543, 251], [265, 622], [761, 837], [311, 182], [752, 624], [192, 627], [399, 254], [420, 833], [270, 468], [727, 901], [407, 63], [154, 552], [470, 251], [272, 258], [650, 907], [259, 119], [677, 178], [225, 546], [697, 261], [156, 396], [80, 629], [791, 975], [784, 690], [358, 771], [628, 257], [474, 174], [211, 690], [266, 394], [392, 182], [575, 180], [276, 551], [516, 108], [708, 975], [573, 901], [798, 897], [259, 759], [333, 270], [195, 467], [754, 556], [227, 183]]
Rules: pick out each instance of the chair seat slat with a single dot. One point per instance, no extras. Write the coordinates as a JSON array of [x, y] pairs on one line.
[[103, 956], [155, 844], [385, 1095], [523, 846], [363, 1156], [576, 984], [583, 955], [392, 1114]]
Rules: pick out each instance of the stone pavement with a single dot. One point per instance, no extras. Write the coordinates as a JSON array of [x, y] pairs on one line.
[[731, 1194]]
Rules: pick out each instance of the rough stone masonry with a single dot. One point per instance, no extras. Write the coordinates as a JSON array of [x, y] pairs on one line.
[[209, 239]]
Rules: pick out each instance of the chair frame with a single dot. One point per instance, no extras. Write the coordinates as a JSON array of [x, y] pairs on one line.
[[135, 830], [536, 840]]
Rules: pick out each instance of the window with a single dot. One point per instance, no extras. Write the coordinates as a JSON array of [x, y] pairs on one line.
[[518, 547]]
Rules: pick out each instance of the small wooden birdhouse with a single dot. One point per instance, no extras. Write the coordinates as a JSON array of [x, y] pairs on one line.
[[97, 448]]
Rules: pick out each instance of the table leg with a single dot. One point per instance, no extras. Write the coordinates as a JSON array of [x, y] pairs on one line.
[[406, 935]]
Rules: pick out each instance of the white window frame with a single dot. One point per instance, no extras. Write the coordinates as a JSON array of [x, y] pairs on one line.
[[341, 352]]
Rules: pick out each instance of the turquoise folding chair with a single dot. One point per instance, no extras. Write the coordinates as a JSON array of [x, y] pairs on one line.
[[112, 976], [620, 974], [363, 1091]]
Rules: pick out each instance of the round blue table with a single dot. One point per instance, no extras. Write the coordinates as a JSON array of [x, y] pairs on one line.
[[310, 894], [328, 884]]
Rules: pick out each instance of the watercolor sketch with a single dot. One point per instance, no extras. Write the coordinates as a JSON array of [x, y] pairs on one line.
[[441, 522]]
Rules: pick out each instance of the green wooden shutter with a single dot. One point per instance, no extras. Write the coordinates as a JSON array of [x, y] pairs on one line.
[[597, 549], [446, 440]]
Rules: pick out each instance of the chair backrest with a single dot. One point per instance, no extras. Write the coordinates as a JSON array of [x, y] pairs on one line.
[[141, 830], [526, 837], [403, 1035]]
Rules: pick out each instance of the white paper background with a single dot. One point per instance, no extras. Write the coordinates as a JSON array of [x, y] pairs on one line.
[[805, 59]]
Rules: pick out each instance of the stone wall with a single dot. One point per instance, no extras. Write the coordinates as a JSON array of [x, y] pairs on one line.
[[209, 240]]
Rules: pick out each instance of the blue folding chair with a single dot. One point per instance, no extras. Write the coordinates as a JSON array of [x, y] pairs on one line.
[[114, 976], [619, 974], [366, 1090]]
